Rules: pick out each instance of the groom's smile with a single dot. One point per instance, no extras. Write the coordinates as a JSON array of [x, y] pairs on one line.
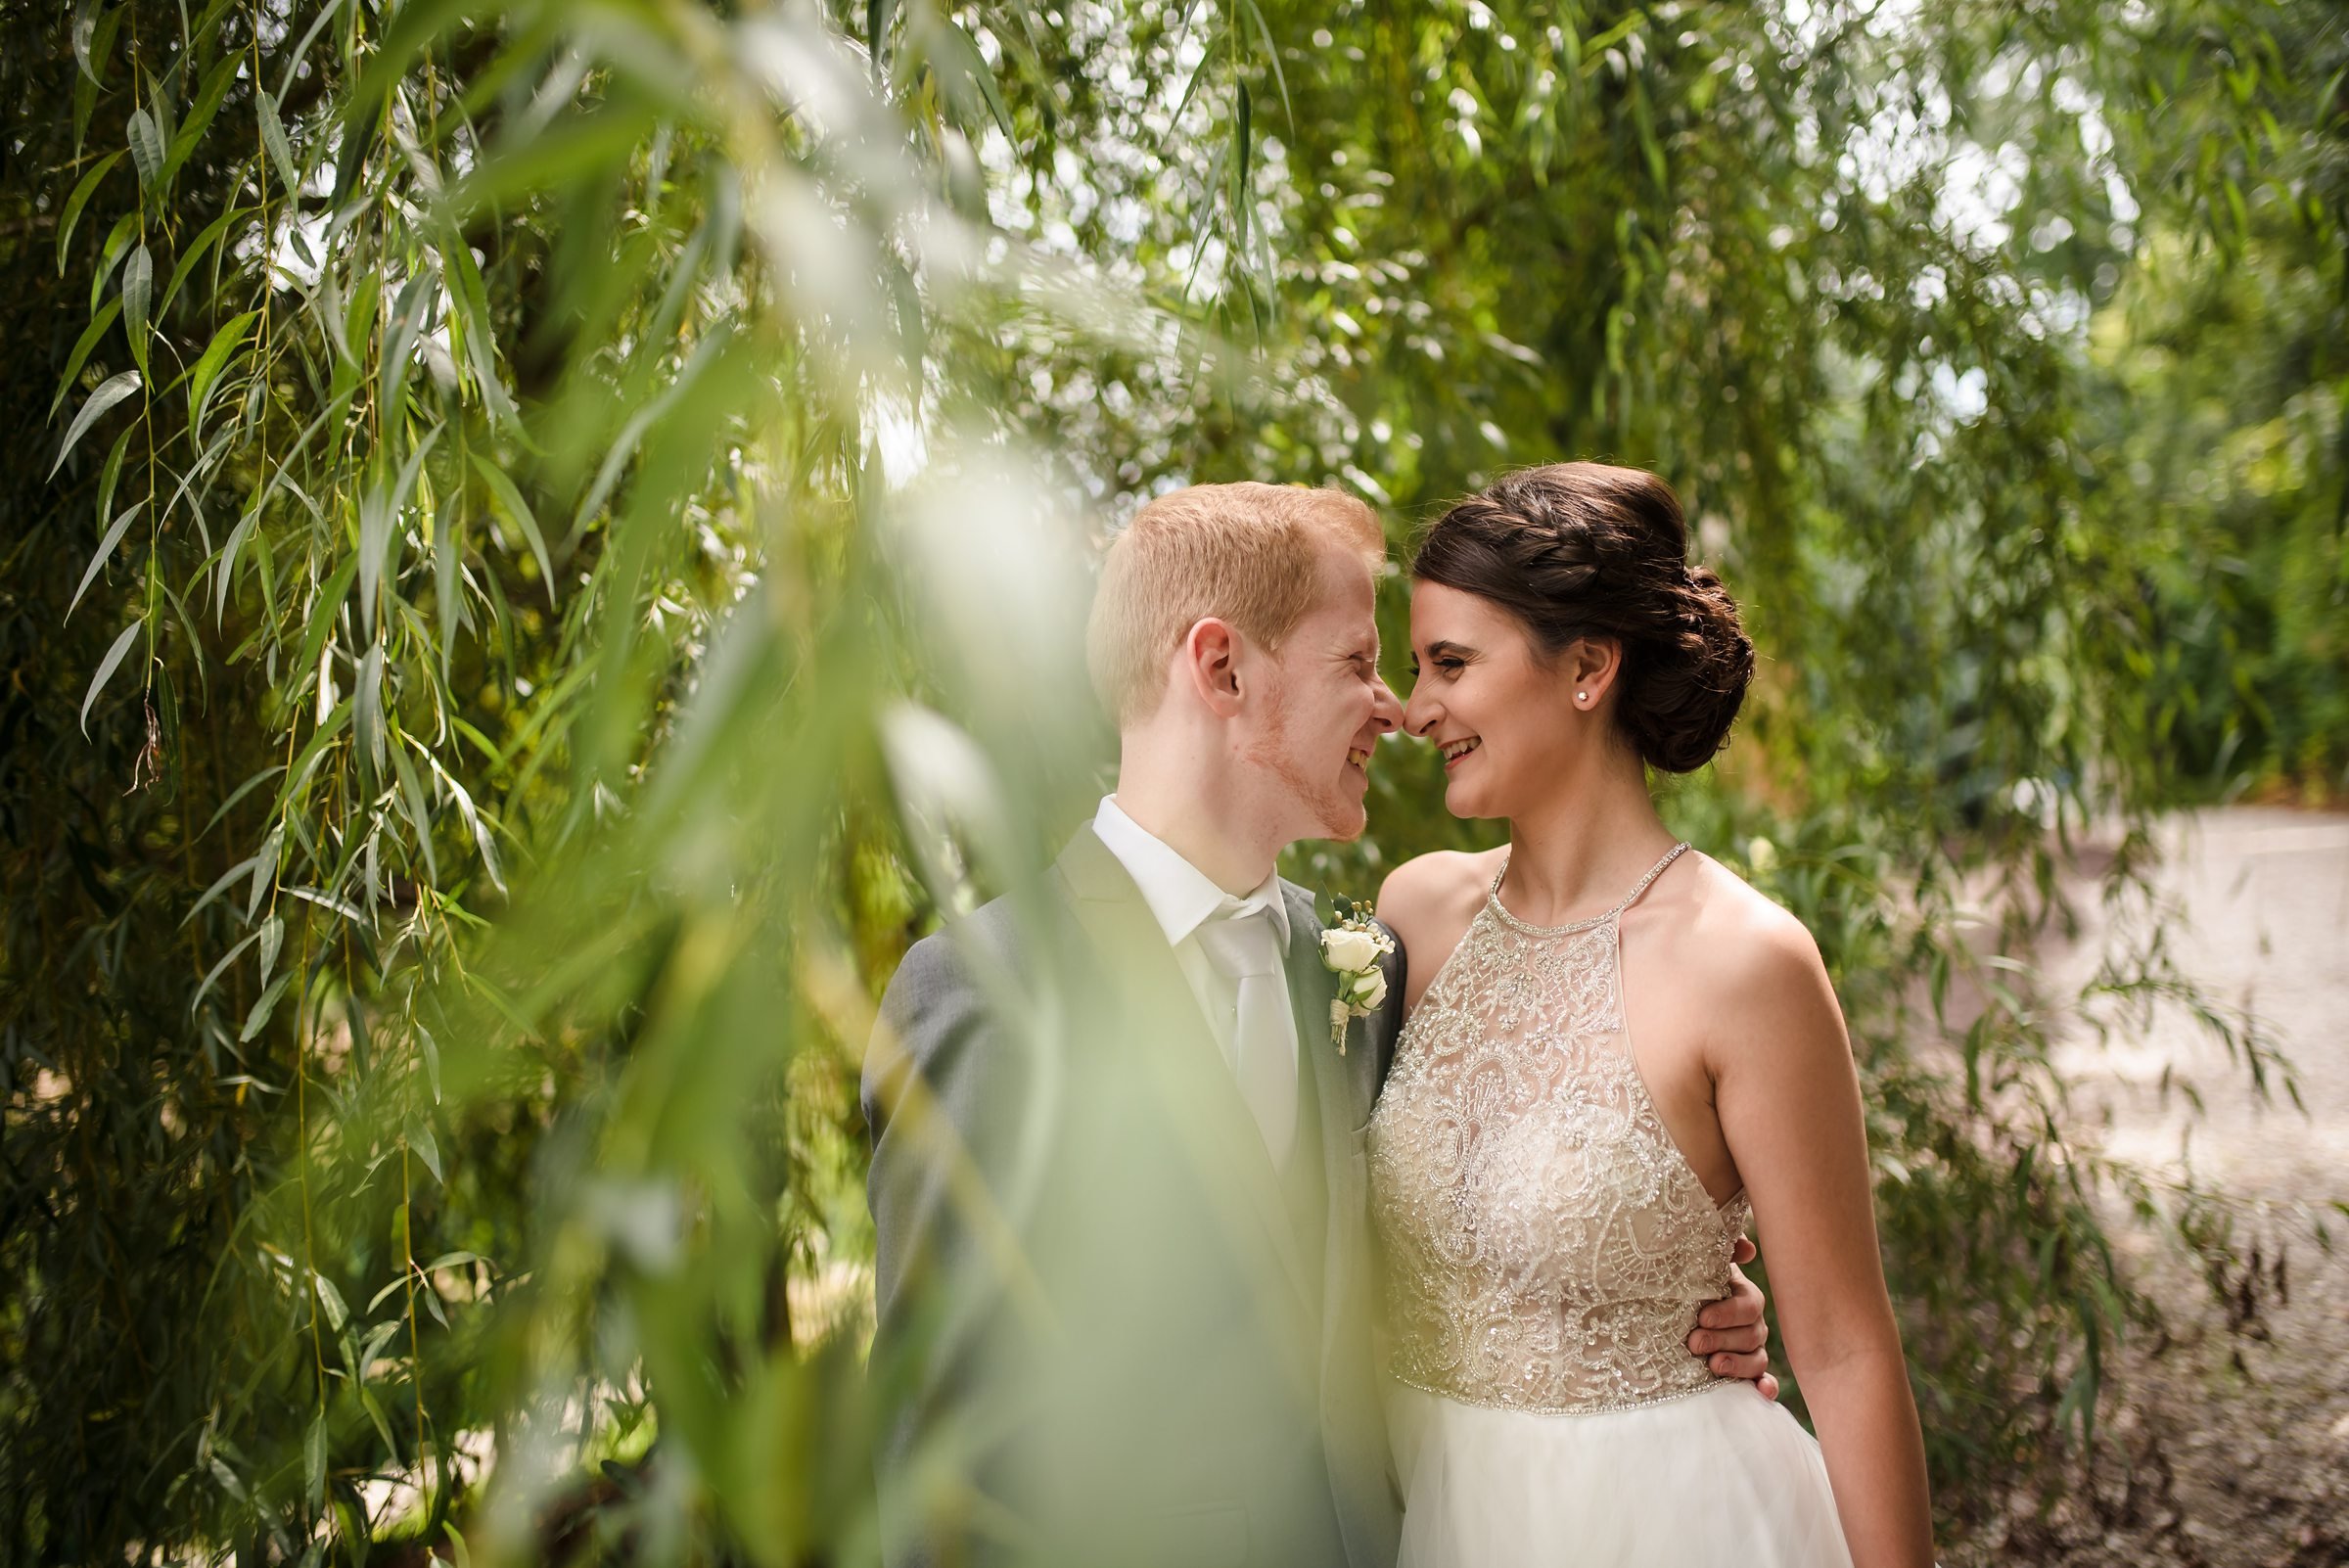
[[1330, 706]]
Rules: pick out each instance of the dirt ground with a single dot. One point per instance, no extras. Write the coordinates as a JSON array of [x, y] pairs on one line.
[[2229, 1442]]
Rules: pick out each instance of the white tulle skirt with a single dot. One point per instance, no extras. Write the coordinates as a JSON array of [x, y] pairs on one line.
[[1719, 1478]]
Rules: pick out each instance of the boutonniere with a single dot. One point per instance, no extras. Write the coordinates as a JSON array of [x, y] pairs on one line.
[[1350, 950]]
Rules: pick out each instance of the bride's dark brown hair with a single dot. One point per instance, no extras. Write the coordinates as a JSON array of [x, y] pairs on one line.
[[1578, 550]]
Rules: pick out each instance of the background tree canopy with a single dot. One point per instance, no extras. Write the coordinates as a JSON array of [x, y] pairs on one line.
[[544, 550]]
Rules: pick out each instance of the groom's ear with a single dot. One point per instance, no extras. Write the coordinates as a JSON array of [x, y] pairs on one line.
[[1210, 662]]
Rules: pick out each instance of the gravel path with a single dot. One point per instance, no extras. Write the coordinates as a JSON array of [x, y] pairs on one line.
[[2230, 1446]]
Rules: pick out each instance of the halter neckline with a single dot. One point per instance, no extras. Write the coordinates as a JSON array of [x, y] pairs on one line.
[[1592, 923]]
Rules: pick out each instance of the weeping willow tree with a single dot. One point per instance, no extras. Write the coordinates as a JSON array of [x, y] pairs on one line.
[[544, 553]]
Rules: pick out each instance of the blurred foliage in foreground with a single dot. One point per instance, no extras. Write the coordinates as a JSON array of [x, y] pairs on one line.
[[493, 480]]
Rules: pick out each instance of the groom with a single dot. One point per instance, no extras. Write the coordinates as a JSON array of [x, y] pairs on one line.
[[1125, 1273]]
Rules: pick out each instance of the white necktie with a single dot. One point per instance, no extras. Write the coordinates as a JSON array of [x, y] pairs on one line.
[[1245, 949]]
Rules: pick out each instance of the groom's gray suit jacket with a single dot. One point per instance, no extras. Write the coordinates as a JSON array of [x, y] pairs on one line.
[[1110, 1332]]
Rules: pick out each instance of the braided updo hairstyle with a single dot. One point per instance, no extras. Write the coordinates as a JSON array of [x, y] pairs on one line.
[[1586, 549]]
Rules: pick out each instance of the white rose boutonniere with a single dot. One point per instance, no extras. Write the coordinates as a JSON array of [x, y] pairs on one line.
[[1350, 950]]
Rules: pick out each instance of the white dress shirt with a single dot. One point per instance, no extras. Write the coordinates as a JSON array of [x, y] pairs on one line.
[[1182, 899]]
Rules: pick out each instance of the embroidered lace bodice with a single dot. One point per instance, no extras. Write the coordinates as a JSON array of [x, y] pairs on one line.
[[1547, 1244]]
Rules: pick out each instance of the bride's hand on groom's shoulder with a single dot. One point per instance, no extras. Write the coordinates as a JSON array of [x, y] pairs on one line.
[[1730, 1334]]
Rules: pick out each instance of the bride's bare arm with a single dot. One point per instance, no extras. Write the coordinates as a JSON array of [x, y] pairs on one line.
[[1788, 1099]]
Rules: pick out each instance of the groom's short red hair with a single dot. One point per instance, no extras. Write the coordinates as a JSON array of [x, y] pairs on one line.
[[1242, 553]]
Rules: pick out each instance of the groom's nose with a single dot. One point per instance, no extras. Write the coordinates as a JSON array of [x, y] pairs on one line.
[[1386, 709], [1417, 725]]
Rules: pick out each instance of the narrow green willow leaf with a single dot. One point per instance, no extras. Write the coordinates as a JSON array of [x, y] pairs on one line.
[[382, 1425], [217, 970], [411, 796], [428, 1149], [430, 1050], [110, 393], [1243, 149], [1264, 30], [229, 1482], [360, 1358], [359, 135], [193, 482], [106, 669], [510, 503], [84, 189], [323, 613], [240, 792], [411, 30], [294, 57], [331, 1299], [203, 242], [327, 901], [314, 1460], [297, 772], [111, 474], [273, 940], [399, 340], [264, 869], [367, 704], [106, 547], [160, 107], [82, 345], [965, 75], [221, 884], [207, 372], [110, 254], [380, 529], [448, 565], [468, 309], [713, 347], [224, 574], [574, 147], [480, 742], [215, 86], [472, 817], [354, 325], [138, 292], [280, 149], [146, 149], [84, 31]]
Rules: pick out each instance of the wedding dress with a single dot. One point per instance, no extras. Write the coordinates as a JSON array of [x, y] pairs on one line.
[[1547, 1248]]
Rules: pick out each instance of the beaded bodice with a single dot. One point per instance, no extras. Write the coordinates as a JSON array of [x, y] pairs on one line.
[[1547, 1244]]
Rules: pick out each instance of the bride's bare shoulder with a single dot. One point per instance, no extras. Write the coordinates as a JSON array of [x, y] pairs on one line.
[[1730, 941], [1430, 900], [1438, 881]]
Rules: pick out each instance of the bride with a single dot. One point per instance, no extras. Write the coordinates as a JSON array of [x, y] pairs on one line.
[[1619, 1053]]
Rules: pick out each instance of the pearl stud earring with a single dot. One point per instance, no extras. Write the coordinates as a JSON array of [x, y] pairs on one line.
[[1582, 696]]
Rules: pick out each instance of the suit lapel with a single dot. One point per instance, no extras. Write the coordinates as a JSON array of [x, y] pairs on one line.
[[1208, 1109]]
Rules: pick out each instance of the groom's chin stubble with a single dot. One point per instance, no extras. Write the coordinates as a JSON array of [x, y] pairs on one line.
[[1346, 827]]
